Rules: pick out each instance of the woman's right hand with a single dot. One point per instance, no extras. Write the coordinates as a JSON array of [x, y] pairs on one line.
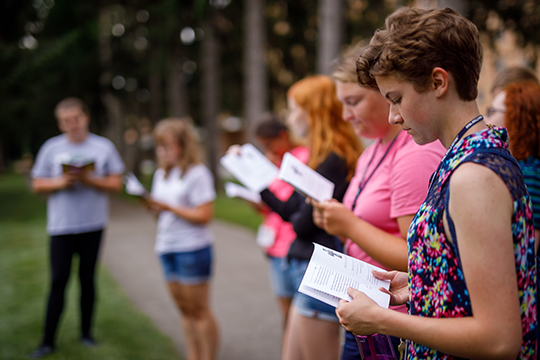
[[149, 205], [399, 285], [234, 149], [318, 213]]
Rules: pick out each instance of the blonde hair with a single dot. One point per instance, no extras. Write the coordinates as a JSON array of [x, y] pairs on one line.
[[184, 134], [327, 133], [345, 64], [513, 74]]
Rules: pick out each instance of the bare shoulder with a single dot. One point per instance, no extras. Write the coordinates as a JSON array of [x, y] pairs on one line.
[[478, 186], [475, 175]]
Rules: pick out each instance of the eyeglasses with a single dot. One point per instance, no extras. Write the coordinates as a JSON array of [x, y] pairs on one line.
[[491, 111]]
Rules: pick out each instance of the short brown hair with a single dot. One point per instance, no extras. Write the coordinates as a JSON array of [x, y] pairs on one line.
[[522, 119], [71, 102], [270, 126], [513, 74], [415, 41]]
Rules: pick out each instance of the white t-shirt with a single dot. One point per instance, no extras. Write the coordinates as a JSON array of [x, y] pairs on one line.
[[195, 188], [80, 208]]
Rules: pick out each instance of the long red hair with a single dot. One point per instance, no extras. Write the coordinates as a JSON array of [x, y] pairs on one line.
[[522, 119], [327, 131]]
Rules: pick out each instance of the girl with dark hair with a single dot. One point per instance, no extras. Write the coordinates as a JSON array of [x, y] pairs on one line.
[[275, 233]]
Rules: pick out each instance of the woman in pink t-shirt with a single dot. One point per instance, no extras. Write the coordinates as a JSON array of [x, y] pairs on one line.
[[389, 185]]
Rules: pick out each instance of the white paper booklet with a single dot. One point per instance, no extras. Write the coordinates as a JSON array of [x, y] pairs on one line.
[[330, 273], [235, 190], [251, 168], [134, 186], [305, 179]]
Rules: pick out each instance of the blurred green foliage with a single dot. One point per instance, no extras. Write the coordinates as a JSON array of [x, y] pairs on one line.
[[53, 49], [74, 57]]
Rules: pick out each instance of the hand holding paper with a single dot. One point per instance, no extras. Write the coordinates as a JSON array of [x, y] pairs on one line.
[[250, 167], [399, 285], [134, 186], [334, 217], [360, 315], [235, 190], [305, 179], [330, 273]]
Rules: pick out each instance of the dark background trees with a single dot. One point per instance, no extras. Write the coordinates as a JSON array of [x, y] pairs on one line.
[[222, 62]]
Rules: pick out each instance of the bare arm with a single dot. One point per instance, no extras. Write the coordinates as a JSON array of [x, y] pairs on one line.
[[111, 183], [49, 185], [201, 214], [481, 208], [387, 249]]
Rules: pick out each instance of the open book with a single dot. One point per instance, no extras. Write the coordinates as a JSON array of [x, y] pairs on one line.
[[305, 179], [250, 167], [78, 167], [235, 190], [134, 186], [330, 273]]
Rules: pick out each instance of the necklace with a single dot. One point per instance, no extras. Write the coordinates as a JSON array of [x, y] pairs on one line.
[[362, 183]]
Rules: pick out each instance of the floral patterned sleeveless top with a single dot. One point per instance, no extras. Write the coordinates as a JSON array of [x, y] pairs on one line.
[[436, 281]]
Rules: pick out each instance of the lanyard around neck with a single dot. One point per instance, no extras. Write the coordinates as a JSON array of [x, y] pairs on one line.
[[458, 137], [362, 183], [466, 128]]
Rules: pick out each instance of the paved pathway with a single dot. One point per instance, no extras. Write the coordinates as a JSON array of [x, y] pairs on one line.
[[248, 315]]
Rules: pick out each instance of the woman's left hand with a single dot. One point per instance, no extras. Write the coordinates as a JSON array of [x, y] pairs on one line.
[[334, 217], [359, 315], [156, 206]]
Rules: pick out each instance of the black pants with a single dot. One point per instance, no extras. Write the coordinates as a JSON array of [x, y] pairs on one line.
[[62, 249]]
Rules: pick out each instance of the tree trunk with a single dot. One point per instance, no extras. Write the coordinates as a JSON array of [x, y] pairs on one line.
[[177, 96], [116, 124], [154, 86], [255, 81], [211, 95], [115, 116], [331, 22], [2, 159]]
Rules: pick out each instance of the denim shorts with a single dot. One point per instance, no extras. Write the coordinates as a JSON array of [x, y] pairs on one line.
[[191, 267], [306, 305], [281, 277]]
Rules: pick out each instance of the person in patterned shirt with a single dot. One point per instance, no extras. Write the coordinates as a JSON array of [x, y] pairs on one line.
[[471, 281]]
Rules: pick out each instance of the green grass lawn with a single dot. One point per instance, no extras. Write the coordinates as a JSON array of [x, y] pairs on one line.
[[121, 331], [236, 211]]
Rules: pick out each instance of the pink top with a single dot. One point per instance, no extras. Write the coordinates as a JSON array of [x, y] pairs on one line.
[[284, 232], [397, 188]]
